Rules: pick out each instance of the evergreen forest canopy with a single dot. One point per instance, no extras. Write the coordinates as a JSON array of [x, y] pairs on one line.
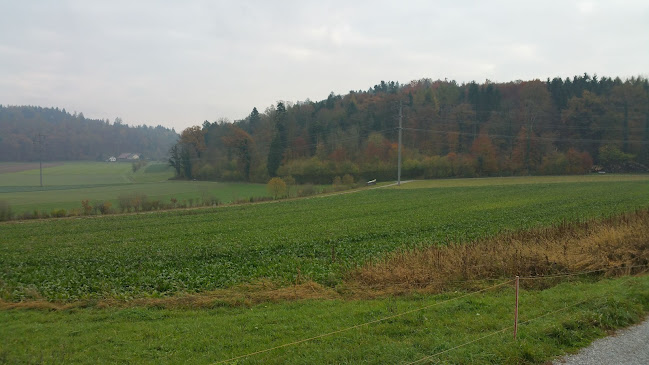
[[561, 126], [67, 137]]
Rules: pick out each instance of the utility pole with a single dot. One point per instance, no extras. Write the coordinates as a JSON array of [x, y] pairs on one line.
[[40, 155], [400, 130]]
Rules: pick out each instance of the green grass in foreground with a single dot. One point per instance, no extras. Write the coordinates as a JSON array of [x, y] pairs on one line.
[[193, 251], [149, 335]]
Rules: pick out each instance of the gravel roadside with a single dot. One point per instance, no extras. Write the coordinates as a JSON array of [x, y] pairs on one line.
[[629, 346]]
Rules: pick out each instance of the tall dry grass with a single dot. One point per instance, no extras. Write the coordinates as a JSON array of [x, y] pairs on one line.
[[610, 247], [613, 246]]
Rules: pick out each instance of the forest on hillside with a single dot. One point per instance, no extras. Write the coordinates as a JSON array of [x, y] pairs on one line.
[[558, 126], [66, 137]]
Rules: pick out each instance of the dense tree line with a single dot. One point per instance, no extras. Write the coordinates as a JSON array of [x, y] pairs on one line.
[[68, 136], [558, 126]]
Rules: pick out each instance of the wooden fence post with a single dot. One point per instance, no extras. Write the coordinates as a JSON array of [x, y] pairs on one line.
[[516, 309]]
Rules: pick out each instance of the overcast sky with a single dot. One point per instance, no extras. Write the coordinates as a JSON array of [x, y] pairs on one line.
[[178, 63]]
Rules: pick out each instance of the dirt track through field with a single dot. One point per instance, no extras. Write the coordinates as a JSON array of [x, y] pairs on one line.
[[6, 169]]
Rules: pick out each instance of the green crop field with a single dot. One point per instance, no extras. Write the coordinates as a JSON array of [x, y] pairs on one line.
[[193, 251], [178, 253], [66, 184], [523, 180]]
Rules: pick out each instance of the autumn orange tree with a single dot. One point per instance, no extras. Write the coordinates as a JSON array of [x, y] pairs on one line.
[[276, 187], [449, 129], [484, 153], [241, 146]]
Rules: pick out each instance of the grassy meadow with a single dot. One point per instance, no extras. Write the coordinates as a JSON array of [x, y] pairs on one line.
[[552, 322], [125, 288], [66, 184]]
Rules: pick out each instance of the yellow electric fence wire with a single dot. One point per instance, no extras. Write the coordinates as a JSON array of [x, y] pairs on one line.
[[362, 324]]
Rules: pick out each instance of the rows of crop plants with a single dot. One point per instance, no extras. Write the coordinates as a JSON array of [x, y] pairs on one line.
[[319, 238]]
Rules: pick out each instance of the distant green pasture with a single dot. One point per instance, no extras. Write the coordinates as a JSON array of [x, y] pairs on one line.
[[66, 185], [523, 180], [72, 173]]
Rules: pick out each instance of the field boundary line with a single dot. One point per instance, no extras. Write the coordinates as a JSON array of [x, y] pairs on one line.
[[579, 273], [396, 282], [352, 191], [363, 324], [553, 276]]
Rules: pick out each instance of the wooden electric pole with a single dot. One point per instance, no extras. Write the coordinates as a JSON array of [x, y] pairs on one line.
[[40, 155], [400, 130]]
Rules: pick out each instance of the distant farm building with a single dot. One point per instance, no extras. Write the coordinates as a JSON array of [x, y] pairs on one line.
[[128, 156]]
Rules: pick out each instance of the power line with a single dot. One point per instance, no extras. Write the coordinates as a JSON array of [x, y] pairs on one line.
[[400, 134], [40, 142], [553, 139], [288, 144], [363, 324]]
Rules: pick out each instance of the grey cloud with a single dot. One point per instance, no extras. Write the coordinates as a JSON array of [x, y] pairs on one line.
[[179, 63]]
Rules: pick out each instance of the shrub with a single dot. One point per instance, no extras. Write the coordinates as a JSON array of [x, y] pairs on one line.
[[133, 201], [328, 190], [58, 213], [87, 208], [306, 190], [207, 172], [138, 165], [149, 205], [254, 199], [348, 180], [106, 208], [610, 155], [413, 168], [208, 199], [276, 187], [27, 215], [5, 211], [290, 182], [100, 207], [96, 207], [124, 203], [137, 201], [554, 164], [437, 167]]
